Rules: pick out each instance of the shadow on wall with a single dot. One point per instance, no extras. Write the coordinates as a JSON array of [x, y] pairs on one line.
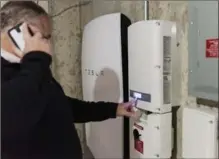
[[107, 86]]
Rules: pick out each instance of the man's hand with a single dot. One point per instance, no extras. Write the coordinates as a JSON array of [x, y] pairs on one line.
[[126, 109], [33, 43]]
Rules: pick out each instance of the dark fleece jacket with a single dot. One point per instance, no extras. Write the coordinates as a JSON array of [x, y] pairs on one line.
[[37, 117]]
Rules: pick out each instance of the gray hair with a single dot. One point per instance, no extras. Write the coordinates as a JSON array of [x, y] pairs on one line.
[[15, 12]]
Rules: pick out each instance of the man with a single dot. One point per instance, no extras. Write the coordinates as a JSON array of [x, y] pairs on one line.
[[37, 117]]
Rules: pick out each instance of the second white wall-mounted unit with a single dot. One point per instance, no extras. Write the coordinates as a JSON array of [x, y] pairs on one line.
[[200, 133], [154, 65]]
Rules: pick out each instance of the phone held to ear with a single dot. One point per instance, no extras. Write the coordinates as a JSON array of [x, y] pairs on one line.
[[17, 37]]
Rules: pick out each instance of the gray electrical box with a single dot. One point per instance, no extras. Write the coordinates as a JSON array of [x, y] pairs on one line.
[[203, 49]]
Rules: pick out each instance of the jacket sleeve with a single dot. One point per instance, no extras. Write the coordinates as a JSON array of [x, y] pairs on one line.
[[21, 107], [92, 111]]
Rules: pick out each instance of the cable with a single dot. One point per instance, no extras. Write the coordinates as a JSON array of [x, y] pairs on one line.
[[70, 7]]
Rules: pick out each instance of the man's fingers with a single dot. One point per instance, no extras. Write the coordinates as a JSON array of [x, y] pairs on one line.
[[128, 104], [131, 109], [33, 28], [25, 31], [130, 114], [38, 35], [27, 34], [18, 52]]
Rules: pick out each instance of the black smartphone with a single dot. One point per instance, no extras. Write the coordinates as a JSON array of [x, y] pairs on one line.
[[16, 36]]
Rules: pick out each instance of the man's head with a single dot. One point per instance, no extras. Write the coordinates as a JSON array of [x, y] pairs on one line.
[[15, 12]]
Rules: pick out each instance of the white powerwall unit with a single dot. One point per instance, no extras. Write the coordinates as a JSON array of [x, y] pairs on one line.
[[105, 78]]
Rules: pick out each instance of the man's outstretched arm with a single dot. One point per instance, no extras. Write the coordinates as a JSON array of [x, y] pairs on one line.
[[92, 111], [98, 111]]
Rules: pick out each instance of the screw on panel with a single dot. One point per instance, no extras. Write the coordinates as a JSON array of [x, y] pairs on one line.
[[198, 64], [198, 32], [191, 23], [157, 127], [178, 44], [158, 23], [158, 109], [190, 71], [158, 66], [211, 122], [157, 155]]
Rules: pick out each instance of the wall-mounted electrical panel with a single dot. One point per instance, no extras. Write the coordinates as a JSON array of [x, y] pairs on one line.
[[154, 65], [203, 49], [200, 133]]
